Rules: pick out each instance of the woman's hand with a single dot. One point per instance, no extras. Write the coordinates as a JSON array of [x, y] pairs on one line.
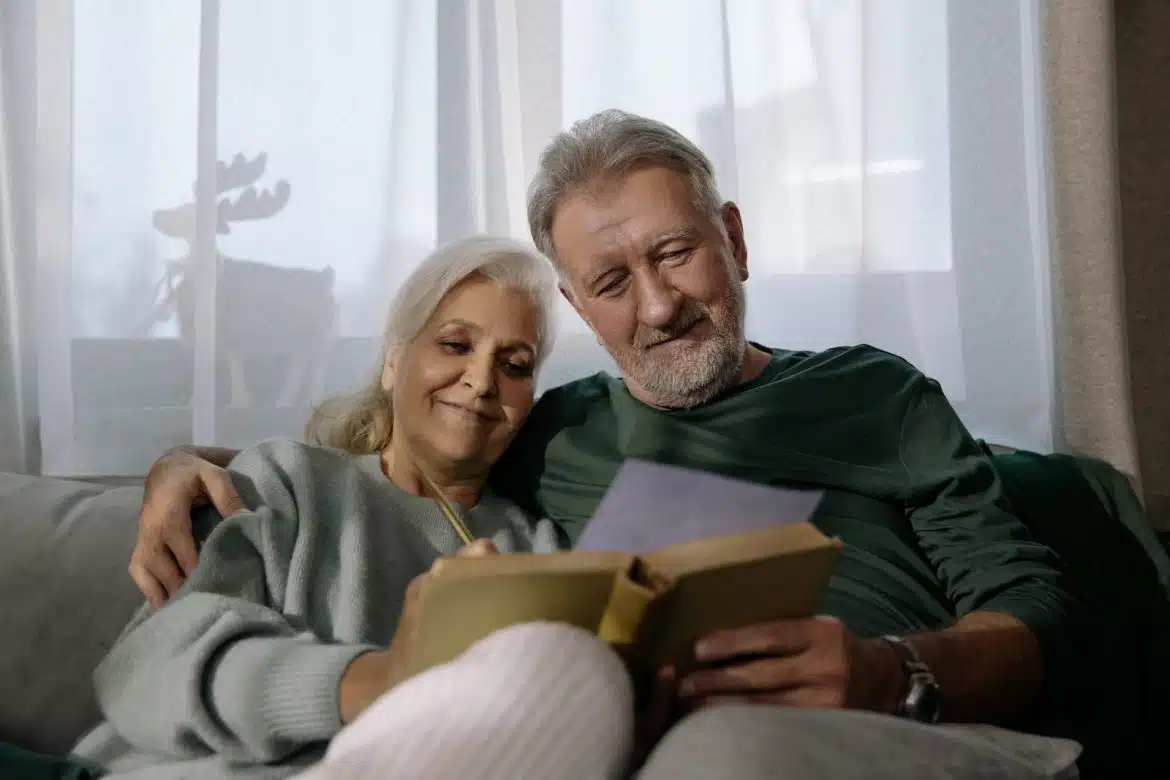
[[165, 554], [372, 674], [480, 548]]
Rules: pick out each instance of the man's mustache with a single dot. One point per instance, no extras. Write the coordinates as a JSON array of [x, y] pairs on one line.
[[650, 337]]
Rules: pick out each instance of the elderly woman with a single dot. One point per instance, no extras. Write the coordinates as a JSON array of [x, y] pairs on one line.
[[298, 615]]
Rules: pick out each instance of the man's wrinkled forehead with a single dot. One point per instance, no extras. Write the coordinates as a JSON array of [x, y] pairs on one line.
[[611, 222], [613, 234]]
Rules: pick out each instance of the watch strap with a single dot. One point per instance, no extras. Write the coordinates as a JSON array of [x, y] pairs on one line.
[[910, 657], [920, 699]]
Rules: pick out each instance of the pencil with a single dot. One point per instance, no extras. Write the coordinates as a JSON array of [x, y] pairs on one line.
[[449, 512]]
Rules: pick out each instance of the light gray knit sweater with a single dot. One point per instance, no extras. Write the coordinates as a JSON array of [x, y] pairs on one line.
[[238, 676]]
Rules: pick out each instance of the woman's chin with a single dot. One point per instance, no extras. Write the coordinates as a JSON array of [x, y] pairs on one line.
[[461, 455]]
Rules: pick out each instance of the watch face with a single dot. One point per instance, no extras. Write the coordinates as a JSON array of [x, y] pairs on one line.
[[923, 701]]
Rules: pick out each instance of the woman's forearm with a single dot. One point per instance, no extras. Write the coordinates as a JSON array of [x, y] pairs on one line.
[[221, 669], [214, 674], [219, 456], [366, 678]]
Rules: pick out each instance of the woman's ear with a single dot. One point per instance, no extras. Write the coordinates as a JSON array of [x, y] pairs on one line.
[[388, 372]]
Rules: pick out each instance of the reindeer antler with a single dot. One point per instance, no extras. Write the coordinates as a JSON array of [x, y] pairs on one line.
[[240, 172], [253, 204]]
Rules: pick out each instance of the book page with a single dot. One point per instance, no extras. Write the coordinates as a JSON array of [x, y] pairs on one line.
[[783, 541], [651, 505], [561, 561]]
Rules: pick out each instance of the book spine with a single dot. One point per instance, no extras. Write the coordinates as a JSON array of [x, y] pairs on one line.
[[627, 605]]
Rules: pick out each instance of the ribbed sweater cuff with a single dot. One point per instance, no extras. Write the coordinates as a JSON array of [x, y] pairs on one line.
[[292, 686]]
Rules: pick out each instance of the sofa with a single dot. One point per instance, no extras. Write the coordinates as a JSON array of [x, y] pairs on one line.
[[65, 595]]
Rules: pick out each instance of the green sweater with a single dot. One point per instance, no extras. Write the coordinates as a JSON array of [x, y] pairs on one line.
[[916, 502], [238, 676]]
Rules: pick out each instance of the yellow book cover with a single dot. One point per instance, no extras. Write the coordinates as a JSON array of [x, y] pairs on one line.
[[670, 556]]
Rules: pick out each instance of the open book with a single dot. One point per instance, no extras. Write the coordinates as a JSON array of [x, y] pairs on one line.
[[735, 554]]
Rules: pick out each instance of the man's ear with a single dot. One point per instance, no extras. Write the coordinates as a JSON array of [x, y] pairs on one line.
[[568, 295], [733, 224]]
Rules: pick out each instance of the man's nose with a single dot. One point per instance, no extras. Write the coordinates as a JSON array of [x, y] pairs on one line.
[[658, 302]]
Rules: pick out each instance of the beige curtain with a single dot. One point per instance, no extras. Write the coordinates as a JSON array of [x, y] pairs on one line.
[[1110, 170], [1141, 32]]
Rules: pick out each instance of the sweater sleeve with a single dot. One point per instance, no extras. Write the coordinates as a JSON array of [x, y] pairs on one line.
[[220, 669], [985, 557]]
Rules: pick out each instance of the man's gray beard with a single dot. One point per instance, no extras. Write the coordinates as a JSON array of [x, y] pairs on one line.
[[685, 385], [709, 370]]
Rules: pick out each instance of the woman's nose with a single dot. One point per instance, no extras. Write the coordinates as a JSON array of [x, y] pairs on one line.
[[480, 376]]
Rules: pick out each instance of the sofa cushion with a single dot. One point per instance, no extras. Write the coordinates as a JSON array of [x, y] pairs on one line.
[[65, 596], [1112, 684]]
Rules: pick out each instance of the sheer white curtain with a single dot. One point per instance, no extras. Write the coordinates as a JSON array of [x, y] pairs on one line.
[[206, 205]]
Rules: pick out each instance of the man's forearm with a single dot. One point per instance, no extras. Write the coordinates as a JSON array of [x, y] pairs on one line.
[[220, 456], [988, 665]]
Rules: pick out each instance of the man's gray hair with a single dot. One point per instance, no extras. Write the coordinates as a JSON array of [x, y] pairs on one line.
[[611, 144]]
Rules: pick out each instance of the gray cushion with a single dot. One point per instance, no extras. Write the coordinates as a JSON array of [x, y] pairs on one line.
[[65, 596]]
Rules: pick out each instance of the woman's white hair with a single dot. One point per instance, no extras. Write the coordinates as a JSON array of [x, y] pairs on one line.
[[363, 422], [612, 144]]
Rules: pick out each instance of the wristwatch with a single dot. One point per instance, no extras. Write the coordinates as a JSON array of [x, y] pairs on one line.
[[921, 701]]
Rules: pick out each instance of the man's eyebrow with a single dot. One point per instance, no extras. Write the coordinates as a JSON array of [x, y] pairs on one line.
[[596, 274], [682, 234], [656, 245]]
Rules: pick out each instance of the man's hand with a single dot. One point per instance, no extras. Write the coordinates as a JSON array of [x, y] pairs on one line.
[[165, 554], [655, 715], [815, 662], [372, 674]]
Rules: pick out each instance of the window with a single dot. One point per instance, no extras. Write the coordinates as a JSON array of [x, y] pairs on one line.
[[888, 166]]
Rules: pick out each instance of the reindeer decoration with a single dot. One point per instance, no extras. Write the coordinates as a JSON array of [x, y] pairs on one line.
[[261, 311]]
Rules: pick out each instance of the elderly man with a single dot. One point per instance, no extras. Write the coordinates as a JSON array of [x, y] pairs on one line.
[[942, 607]]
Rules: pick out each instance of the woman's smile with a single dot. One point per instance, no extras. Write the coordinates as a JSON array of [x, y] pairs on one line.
[[468, 413]]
